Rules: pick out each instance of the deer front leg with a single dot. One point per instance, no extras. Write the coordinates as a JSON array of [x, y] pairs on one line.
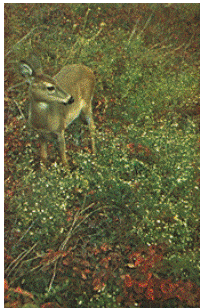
[[61, 144], [92, 134], [43, 151]]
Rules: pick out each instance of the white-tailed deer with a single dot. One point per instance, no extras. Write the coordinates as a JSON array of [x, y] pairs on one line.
[[56, 102]]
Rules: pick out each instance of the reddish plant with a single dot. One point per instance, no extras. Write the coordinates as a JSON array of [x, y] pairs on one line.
[[144, 284]]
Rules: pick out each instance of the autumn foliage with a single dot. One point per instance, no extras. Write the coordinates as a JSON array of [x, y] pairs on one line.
[[153, 287], [139, 280]]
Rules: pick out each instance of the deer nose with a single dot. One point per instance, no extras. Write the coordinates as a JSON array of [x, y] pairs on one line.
[[70, 101]]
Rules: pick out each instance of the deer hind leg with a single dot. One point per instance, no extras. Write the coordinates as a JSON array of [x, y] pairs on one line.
[[89, 118]]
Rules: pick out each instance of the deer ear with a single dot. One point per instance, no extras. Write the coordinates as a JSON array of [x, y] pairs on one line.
[[25, 70]]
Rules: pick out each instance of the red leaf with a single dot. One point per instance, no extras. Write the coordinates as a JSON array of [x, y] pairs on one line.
[[25, 293], [150, 294], [128, 281], [5, 285]]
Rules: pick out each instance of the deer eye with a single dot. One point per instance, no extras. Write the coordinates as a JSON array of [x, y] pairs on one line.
[[51, 88]]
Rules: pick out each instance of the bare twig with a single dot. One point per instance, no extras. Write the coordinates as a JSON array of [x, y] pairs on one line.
[[16, 103], [29, 228], [77, 215], [16, 86], [172, 51], [14, 261], [148, 21], [18, 260], [189, 43], [19, 42], [133, 31], [160, 43], [62, 246], [97, 34], [72, 230], [24, 38], [86, 17], [53, 277], [81, 41]]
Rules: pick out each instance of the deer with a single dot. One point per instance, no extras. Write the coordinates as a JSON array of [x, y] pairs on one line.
[[55, 102]]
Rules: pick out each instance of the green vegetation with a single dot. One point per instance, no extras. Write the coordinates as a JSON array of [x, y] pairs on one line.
[[120, 229]]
